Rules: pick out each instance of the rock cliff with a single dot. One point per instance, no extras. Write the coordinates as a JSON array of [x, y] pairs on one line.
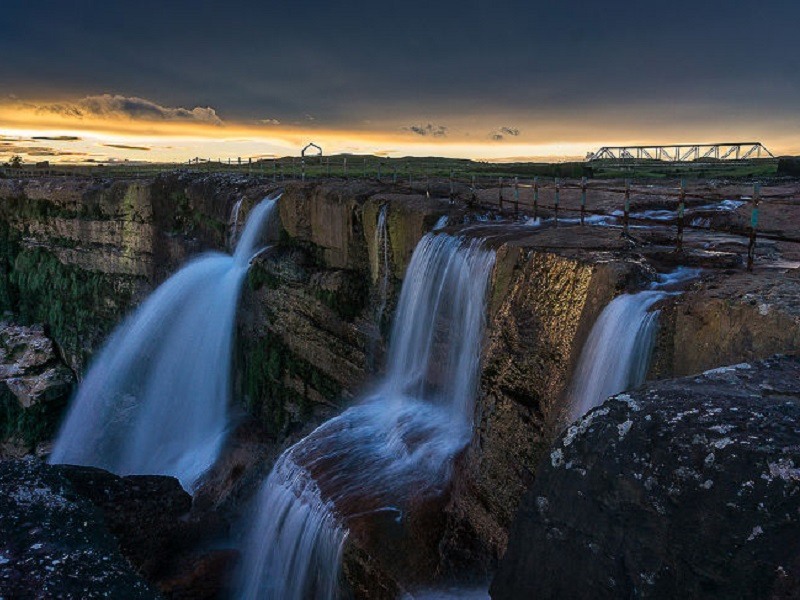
[[76, 255]]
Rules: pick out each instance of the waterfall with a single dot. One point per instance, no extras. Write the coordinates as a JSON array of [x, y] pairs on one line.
[[233, 225], [155, 400], [617, 353], [382, 248], [398, 444]]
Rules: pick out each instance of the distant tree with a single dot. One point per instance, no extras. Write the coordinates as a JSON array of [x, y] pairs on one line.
[[15, 162]]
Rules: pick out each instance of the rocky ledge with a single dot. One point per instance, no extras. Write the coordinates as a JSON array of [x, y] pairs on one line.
[[685, 488], [35, 385], [78, 532]]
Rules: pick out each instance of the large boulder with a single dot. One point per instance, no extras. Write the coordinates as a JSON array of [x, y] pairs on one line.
[[686, 488], [80, 532], [54, 542]]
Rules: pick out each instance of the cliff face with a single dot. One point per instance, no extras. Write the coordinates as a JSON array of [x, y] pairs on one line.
[[544, 301], [730, 318], [77, 254], [318, 305], [314, 316]]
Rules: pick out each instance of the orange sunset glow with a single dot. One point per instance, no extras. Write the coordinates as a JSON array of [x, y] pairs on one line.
[[77, 131]]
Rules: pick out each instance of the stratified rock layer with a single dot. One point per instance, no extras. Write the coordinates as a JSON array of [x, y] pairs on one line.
[[687, 488]]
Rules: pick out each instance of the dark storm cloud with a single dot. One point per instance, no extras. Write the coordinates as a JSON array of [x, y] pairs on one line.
[[57, 138], [39, 151], [348, 62], [429, 129]]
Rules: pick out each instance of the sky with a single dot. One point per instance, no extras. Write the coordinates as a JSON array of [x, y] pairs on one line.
[[503, 79]]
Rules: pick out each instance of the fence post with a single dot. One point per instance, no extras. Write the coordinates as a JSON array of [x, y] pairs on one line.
[[344, 167], [535, 198], [516, 195], [626, 216], [249, 165], [452, 188], [303, 169], [427, 185], [751, 248], [583, 199], [557, 199], [681, 212], [500, 194]]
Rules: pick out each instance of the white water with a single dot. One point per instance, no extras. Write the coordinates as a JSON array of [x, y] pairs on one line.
[[396, 445], [233, 226], [155, 400], [382, 248], [617, 353]]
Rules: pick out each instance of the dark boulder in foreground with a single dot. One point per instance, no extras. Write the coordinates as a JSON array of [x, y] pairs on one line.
[[80, 532], [687, 488], [54, 542]]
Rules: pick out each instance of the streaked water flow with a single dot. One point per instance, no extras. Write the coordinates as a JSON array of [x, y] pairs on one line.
[[395, 447], [155, 400], [233, 225], [617, 353], [382, 248]]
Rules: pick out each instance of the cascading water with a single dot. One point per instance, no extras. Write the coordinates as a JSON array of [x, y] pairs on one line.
[[233, 225], [617, 353], [155, 400], [382, 248], [397, 445]]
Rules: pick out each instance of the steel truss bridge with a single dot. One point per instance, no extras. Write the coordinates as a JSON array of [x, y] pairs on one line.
[[678, 153]]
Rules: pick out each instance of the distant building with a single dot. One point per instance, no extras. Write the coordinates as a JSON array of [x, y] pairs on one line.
[[310, 148]]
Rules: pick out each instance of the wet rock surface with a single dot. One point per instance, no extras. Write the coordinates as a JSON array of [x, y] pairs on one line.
[[543, 307], [79, 532], [35, 385], [684, 488], [54, 543], [77, 255], [729, 316]]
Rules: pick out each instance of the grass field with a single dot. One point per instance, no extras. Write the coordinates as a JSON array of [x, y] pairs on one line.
[[415, 168]]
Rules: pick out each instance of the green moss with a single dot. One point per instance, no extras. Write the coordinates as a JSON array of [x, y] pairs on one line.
[[258, 277], [80, 307], [9, 248], [189, 221], [265, 364], [349, 301], [32, 425]]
